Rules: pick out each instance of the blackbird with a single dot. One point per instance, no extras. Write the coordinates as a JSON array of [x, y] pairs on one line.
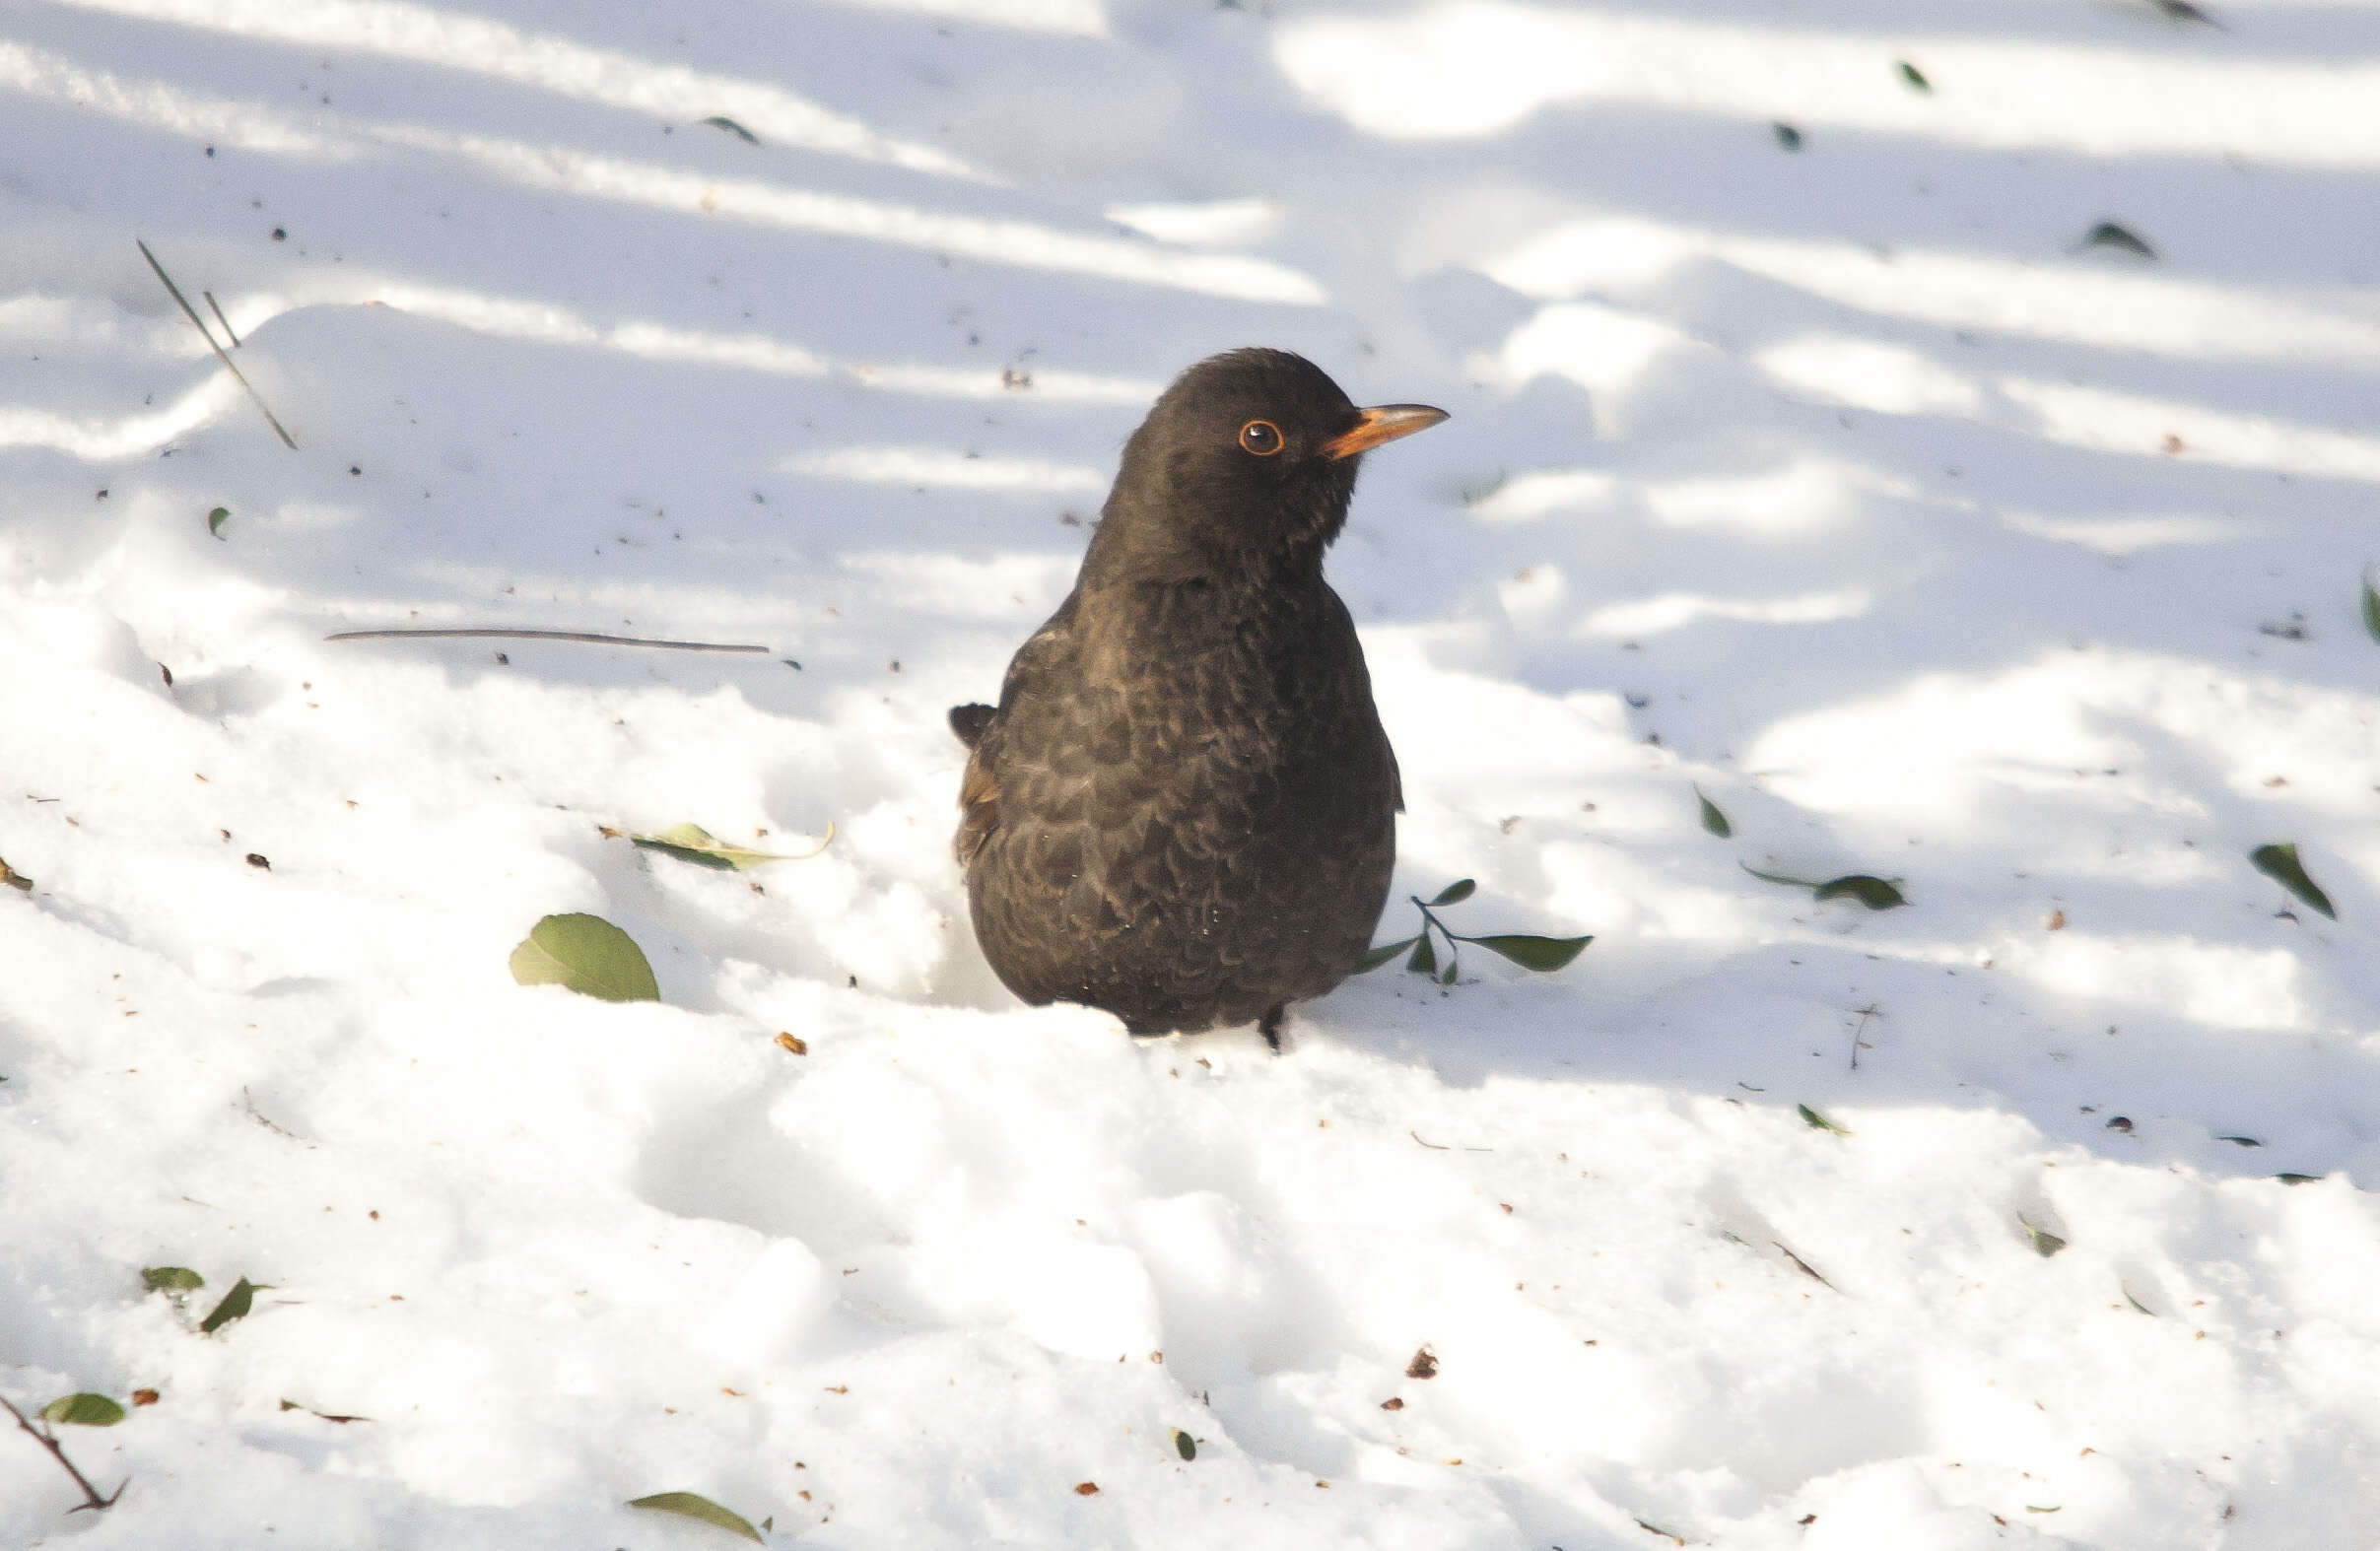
[[1184, 809]]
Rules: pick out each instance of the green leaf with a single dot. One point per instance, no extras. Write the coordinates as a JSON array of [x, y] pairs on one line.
[[585, 954], [2297, 1178], [171, 1279], [1425, 956], [2135, 1302], [234, 1306], [1787, 135], [1457, 892], [1373, 957], [1819, 1122], [1448, 979], [2045, 1242], [1184, 1445], [83, 1410], [2371, 608], [694, 843], [693, 1505], [1875, 893], [1712, 819], [1534, 953], [2281, 864], [217, 518], [2032, 1509], [722, 122], [2109, 234], [1915, 78]]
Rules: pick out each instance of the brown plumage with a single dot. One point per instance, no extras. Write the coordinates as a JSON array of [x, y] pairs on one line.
[[1184, 809]]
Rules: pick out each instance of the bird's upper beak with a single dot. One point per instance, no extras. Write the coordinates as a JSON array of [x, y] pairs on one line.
[[1382, 423]]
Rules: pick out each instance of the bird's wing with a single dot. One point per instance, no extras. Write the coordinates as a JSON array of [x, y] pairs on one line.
[[968, 722], [1049, 653]]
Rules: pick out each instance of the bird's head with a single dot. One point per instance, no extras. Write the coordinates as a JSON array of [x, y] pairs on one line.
[[1249, 455]]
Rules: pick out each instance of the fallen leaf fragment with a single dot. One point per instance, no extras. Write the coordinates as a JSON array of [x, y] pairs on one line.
[[83, 1410], [2281, 864], [585, 954], [234, 1306], [693, 1505], [692, 842], [1819, 1122]]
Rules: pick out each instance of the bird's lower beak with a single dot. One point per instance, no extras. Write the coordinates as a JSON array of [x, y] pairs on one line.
[[1382, 423]]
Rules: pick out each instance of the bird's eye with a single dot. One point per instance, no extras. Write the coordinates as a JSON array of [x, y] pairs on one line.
[[1261, 437]]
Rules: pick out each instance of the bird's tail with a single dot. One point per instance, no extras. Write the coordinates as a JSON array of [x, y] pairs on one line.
[[969, 722]]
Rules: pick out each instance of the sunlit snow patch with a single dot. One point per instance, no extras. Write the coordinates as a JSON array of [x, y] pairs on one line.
[[1651, 616], [1868, 373], [1223, 223], [455, 40], [514, 317], [103, 440], [1527, 497], [1807, 492], [2110, 420], [2114, 536], [1460, 70], [219, 121], [2073, 300], [941, 467], [948, 584], [2211, 982], [1075, 18]]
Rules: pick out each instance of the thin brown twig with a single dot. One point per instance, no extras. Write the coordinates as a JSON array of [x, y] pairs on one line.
[[1871, 1010], [593, 637], [219, 318], [1441, 1146], [191, 313], [90, 1494], [1804, 1266]]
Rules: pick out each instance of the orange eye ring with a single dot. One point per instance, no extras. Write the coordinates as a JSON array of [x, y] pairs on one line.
[[1261, 437]]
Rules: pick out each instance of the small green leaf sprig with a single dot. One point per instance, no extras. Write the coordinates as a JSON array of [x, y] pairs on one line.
[[1529, 952]]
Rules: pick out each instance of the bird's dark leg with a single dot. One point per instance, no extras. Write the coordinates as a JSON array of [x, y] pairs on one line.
[[1270, 1025]]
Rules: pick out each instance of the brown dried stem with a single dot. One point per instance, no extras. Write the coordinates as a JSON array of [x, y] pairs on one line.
[[540, 635], [90, 1494]]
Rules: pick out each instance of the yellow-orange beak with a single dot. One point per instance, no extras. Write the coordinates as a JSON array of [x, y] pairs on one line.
[[1382, 423]]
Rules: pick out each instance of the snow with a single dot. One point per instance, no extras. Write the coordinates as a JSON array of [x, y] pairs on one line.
[[1846, 485]]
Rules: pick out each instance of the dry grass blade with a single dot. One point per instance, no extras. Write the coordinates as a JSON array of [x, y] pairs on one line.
[[217, 309], [199, 324], [592, 636]]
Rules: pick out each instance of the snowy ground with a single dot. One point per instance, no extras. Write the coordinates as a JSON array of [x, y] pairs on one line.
[[1844, 482]]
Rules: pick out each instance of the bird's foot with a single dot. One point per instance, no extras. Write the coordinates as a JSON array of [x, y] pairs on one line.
[[1270, 1025]]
